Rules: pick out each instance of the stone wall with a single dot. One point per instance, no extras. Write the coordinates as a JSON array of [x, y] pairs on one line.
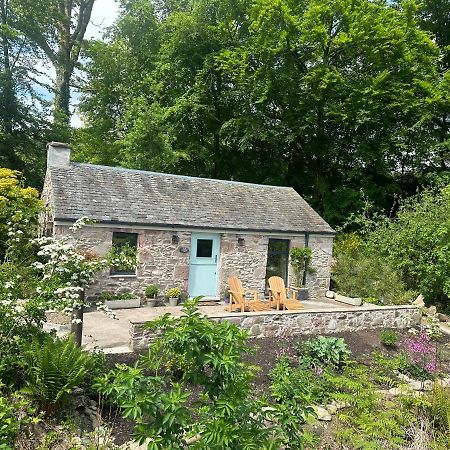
[[284, 324], [246, 261], [160, 261], [318, 282]]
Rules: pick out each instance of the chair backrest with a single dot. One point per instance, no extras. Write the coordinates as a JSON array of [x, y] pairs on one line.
[[235, 285], [276, 285]]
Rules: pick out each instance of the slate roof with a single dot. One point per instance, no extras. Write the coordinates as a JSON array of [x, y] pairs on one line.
[[132, 197]]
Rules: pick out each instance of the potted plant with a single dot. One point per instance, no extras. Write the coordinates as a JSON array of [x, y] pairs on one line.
[[173, 294], [123, 300], [300, 259], [151, 291]]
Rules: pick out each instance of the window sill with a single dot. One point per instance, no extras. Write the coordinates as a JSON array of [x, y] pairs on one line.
[[124, 275]]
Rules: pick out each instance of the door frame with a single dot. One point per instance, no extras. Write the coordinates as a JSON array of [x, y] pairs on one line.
[[216, 237]]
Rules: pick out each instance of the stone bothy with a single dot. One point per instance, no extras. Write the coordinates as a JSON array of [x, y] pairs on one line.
[[187, 232]]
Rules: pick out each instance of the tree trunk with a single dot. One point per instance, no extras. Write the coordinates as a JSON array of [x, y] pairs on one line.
[[76, 328]]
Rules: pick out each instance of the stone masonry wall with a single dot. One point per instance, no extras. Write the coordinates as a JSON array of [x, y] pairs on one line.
[[160, 261], [285, 324], [247, 261], [318, 282]]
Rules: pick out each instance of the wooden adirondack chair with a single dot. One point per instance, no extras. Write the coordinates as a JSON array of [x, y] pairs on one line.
[[239, 301], [278, 295]]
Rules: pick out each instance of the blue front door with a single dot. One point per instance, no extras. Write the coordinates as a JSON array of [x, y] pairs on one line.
[[203, 265]]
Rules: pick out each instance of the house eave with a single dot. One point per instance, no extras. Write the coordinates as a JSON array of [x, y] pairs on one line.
[[64, 221]]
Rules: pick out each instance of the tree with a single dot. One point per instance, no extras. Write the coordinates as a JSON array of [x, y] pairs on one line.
[[23, 125], [330, 97], [57, 28]]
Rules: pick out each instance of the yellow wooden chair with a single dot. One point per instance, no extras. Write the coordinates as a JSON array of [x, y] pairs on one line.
[[278, 295], [238, 298]]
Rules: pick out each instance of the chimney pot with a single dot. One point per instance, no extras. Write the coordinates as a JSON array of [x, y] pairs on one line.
[[58, 154]]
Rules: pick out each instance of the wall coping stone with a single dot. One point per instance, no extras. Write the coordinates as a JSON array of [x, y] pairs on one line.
[[226, 314]]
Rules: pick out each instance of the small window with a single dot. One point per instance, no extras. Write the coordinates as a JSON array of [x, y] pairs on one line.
[[277, 259], [204, 248], [124, 243]]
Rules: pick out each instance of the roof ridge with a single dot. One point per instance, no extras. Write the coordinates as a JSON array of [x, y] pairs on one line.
[[186, 177]]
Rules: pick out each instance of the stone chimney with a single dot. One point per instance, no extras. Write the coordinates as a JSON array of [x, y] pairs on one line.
[[58, 154]]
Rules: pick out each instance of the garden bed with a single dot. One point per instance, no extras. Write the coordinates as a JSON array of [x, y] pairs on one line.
[[267, 351]]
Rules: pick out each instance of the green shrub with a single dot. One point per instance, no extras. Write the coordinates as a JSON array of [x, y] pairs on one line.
[[222, 413], [439, 409], [53, 368], [173, 292], [16, 413], [358, 273], [151, 291], [389, 338], [111, 296], [324, 350], [300, 257]]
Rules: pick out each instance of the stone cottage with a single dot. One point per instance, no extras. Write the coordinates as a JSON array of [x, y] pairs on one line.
[[187, 232]]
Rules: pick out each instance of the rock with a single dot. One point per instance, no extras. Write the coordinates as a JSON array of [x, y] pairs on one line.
[[332, 409], [329, 294], [419, 301], [416, 385], [322, 414], [339, 405], [348, 300], [445, 382], [441, 317], [432, 310]]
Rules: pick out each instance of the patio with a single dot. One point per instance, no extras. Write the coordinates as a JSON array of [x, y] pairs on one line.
[[126, 333]]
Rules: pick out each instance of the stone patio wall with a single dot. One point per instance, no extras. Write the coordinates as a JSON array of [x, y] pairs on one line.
[[284, 324]]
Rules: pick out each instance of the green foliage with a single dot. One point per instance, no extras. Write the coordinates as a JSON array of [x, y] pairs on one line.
[[324, 350], [281, 92], [389, 338], [111, 296], [438, 409], [212, 350], [359, 273], [19, 208], [417, 243], [151, 291], [300, 259], [173, 292], [53, 368], [16, 413], [222, 413]]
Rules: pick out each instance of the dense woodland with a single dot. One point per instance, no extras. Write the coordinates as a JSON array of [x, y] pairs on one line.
[[344, 100]]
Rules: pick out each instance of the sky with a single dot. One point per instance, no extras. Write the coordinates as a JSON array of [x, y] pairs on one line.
[[103, 15]]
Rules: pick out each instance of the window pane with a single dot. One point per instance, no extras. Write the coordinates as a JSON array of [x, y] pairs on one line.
[[204, 248], [277, 259], [125, 243], [278, 245]]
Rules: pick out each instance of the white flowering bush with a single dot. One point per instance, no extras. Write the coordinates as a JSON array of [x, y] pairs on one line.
[[65, 271], [55, 281]]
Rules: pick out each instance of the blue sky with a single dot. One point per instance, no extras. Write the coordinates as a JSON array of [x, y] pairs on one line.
[[103, 15]]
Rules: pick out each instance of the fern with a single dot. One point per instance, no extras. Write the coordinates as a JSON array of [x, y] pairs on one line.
[[53, 368]]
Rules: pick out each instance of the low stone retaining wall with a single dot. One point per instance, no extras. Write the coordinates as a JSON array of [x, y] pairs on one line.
[[289, 323]]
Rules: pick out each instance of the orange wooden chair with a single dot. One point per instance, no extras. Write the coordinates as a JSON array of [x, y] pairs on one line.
[[278, 295], [238, 298]]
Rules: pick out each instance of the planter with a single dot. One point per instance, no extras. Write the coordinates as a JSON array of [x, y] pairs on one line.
[[124, 304], [303, 293], [151, 302], [173, 301], [348, 300]]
